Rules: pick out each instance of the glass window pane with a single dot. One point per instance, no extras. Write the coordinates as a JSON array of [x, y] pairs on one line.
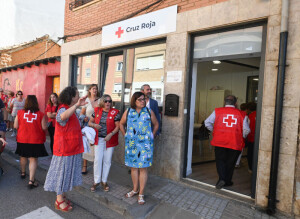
[[88, 68], [240, 41]]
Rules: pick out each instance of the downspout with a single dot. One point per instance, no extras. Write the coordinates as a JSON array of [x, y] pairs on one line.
[[278, 107]]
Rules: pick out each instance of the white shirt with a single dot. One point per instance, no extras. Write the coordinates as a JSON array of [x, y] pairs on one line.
[[148, 104], [209, 123]]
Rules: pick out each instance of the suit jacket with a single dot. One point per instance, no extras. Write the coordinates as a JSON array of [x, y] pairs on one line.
[[154, 107]]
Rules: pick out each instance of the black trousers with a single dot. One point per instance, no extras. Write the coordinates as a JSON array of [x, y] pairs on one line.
[[250, 146], [51, 131], [225, 162]]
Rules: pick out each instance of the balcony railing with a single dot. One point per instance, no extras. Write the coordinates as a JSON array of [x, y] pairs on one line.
[[78, 3]]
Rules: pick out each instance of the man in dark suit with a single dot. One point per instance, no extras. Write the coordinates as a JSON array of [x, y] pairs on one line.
[[151, 104]]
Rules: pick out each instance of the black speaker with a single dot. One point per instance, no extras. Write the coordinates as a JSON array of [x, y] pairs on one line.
[[171, 105]]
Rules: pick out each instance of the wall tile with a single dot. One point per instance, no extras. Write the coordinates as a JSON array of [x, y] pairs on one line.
[[224, 13], [253, 9], [199, 18], [270, 83], [266, 128]]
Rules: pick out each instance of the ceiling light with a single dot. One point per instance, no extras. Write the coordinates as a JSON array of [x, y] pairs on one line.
[[214, 69], [217, 62], [255, 79]]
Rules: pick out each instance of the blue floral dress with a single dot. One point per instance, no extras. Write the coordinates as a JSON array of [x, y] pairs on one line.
[[139, 139]]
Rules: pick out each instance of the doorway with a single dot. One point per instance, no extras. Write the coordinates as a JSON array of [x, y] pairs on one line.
[[224, 63]]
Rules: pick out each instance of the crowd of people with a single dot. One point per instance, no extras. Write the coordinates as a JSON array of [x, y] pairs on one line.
[[86, 125]]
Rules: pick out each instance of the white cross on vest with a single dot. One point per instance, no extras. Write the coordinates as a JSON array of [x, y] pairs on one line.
[[230, 120], [30, 117]]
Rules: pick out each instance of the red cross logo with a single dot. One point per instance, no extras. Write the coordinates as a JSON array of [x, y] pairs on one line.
[[230, 120], [30, 116], [119, 32]]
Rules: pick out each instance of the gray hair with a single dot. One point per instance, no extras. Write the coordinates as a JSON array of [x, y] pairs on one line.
[[143, 87], [230, 100]]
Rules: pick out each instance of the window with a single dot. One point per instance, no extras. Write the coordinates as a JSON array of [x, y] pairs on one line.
[[150, 63], [87, 72], [78, 3], [119, 66]]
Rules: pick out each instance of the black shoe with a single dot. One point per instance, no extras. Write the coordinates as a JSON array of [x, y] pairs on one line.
[[23, 175], [220, 184], [84, 172], [228, 184]]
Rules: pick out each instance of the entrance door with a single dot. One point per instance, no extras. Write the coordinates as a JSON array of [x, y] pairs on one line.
[[224, 63]]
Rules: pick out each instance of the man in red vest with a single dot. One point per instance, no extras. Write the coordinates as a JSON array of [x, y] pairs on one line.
[[250, 137], [229, 126]]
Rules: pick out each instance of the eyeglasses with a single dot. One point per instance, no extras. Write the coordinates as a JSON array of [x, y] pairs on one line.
[[141, 99], [107, 101], [20, 94]]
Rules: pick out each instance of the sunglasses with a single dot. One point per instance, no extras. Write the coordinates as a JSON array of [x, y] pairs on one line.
[[141, 99], [107, 101], [20, 94]]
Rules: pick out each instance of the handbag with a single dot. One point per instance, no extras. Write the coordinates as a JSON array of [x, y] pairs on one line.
[[203, 132]]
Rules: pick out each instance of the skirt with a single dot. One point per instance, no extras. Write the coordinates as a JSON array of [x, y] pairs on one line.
[[31, 150], [64, 173]]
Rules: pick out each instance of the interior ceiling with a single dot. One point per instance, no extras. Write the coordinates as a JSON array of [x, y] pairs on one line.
[[231, 65]]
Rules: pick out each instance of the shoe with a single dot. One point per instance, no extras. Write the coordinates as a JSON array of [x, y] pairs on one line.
[[228, 184], [237, 166], [13, 134], [105, 187], [94, 187], [131, 194], [66, 209], [141, 200], [10, 130], [220, 184], [84, 172], [33, 184], [23, 175], [7, 129]]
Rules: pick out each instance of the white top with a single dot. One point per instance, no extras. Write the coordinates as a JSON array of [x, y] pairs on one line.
[[17, 105], [89, 107], [209, 123]]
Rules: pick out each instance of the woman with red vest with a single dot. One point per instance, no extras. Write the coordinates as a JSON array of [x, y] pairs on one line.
[[251, 136], [65, 168], [51, 110], [31, 125], [106, 121]]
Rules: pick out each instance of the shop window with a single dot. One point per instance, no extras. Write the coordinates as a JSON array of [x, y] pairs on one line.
[[119, 66], [149, 63], [87, 72]]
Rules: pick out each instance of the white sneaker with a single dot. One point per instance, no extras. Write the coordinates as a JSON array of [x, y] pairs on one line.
[[13, 134], [10, 130]]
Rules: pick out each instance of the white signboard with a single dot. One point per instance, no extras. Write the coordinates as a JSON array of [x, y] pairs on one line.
[[148, 25], [174, 76]]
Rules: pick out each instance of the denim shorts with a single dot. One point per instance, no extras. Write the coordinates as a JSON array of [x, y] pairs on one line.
[[3, 126]]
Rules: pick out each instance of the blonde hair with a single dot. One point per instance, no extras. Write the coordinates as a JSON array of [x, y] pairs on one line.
[[102, 99]]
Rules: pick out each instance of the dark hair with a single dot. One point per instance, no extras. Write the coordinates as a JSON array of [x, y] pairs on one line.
[[90, 87], [252, 106], [19, 91], [49, 100], [12, 93], [244, 106], [31, 103], [65, 97], [134, 97], [230, 100]]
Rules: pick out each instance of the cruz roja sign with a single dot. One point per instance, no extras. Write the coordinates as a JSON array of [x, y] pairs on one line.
[[148, 25]]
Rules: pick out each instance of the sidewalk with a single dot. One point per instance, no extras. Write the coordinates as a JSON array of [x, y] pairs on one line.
[[164, 198]]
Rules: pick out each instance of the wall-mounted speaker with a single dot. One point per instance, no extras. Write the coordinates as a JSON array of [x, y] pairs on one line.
[[171, 105]]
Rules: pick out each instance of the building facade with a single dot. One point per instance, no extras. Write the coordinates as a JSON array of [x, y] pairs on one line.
[[202, 52]]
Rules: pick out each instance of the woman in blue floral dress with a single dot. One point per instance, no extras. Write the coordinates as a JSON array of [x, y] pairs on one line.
[[138, 142]]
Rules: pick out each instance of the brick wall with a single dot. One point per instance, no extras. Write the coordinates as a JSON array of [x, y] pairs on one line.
[[104, 12], [30, 53]]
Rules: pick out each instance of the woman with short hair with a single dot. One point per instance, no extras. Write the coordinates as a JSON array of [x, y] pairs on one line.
[[17, 104], [105, 120], [31, 125], [138, 142], [65, 169], [11, 97]]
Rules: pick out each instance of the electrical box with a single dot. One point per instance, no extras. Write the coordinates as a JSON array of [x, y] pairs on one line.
[[171, 105]]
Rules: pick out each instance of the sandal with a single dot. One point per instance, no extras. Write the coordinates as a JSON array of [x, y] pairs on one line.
[[131, 194], [33, 184], [66, 209], [105, 186], [84, 172], [67, 200], [141, 200], [23, 175], [94, 187]]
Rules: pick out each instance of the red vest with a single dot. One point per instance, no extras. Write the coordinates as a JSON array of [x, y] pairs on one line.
[[68, 138], [228, 128], [252, 118], [30, 127], [110, 125]]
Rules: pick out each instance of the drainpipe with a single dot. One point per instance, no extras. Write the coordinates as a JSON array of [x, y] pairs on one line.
[[278, 107]]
